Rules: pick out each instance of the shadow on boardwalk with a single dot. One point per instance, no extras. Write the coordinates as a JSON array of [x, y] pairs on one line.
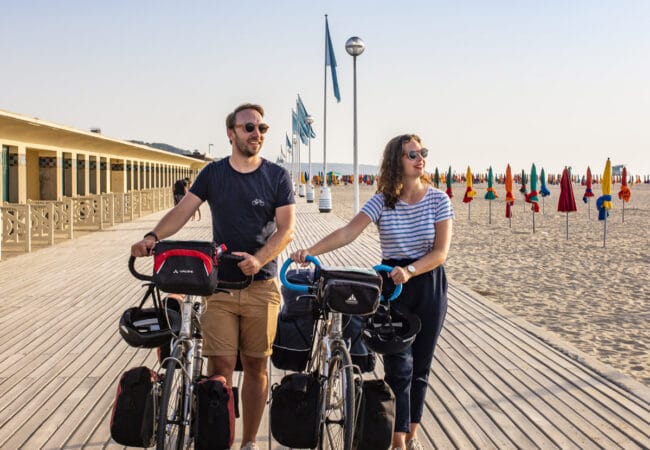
[[497, 381]]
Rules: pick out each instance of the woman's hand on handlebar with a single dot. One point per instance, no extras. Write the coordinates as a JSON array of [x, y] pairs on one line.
[[143, 247], [300, 255], [399, 275]]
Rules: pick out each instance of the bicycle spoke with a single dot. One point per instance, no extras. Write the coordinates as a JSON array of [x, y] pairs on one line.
[[172, 431], [337, 427]]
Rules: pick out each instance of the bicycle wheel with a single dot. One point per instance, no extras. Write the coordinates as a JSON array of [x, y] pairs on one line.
[[171, 432], [337, 428]]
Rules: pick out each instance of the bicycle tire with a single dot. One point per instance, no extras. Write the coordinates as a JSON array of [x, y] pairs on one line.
[[172, 429], [337, 427]]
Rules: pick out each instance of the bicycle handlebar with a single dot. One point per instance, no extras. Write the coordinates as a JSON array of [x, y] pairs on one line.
[[221, 285], [316, 262], [290, 285], [398, 287]]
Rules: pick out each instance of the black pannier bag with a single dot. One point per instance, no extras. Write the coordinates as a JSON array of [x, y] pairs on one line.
[[350, 290], [132, 419], [361, 355], [295, 327], [295, 410], [214, 419], [186, 267], [376, 418]]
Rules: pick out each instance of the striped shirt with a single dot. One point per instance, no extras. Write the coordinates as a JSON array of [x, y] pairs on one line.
[[408, 231]]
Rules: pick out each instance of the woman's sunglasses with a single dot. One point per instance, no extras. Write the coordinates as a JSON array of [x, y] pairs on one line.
[[413, 154], [250, 127]]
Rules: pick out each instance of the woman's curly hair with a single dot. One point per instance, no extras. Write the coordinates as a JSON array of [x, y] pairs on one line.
[[391, 171]]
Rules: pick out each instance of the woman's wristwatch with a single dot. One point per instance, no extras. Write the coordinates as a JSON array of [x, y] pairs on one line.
[[411, 269]]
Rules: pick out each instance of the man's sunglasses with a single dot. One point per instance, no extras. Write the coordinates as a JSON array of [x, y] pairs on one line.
[[250, 127], [413, 154]]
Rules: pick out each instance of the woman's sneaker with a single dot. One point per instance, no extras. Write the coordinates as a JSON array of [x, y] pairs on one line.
[[414, 444]]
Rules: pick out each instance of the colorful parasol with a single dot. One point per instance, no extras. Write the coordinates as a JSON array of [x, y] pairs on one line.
[[491, 193], [449, 181], [604, 202], [566, 202], [624, 193], [469, 193], [532, 197], [510, 199], [436, 178]]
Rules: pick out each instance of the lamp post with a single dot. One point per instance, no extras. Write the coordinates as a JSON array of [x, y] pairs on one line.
[[210, 149], [355, 46], [310, 188]]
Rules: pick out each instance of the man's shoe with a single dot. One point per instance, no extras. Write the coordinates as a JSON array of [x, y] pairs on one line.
[[414, 444], [250, 446]]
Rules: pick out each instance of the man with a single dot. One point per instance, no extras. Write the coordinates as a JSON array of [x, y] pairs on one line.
[[252, 206]]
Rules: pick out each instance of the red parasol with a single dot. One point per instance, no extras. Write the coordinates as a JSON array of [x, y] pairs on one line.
[[567, 202], [624, 193], [510, 199]]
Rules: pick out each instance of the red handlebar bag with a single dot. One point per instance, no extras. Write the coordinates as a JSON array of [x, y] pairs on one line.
[[185, 267]]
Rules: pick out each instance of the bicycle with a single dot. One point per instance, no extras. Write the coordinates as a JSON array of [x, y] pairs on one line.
[[330, 360], [184, 367]]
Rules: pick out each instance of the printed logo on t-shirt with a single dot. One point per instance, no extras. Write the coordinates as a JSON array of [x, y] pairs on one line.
[[258, 202]]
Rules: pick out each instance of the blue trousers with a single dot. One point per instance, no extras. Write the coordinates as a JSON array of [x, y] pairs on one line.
[[407, 372]]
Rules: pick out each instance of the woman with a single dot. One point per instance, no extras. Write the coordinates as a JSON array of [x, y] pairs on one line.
[[415, 222]]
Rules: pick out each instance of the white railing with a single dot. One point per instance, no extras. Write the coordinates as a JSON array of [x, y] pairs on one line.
[[42, 222]]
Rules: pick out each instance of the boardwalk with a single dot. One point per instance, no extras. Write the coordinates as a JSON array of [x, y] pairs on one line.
[[497, 382]]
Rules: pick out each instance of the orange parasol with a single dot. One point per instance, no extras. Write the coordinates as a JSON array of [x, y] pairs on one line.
[[624, 193]]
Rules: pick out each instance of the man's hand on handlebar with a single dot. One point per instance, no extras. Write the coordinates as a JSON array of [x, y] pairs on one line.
[[250, 265], [300, 255], [143, 247]]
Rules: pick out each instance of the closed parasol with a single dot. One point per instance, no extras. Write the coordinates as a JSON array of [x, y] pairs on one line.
[[436, 178], [491, 193], [566, 202], [510, 199], [624, 193], [469, 192], [604, 202], [449, 181], [532, 197]]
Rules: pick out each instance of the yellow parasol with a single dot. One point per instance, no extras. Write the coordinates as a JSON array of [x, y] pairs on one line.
[[604, 202]]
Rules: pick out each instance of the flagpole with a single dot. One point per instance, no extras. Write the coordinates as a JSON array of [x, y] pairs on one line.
[[325, 197], [325, 114]]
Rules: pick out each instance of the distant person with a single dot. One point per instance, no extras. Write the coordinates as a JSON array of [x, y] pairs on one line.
[[180, 189], [252, 205], [198, 210], [415, 222]]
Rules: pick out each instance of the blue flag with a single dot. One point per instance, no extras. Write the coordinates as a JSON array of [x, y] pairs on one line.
[[294, 123], [288, 141], [330, 60], [305, 126]]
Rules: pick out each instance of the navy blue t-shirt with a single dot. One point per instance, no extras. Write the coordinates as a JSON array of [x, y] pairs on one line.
[[243, 205]]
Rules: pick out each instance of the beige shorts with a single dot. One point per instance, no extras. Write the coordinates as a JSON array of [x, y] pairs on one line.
[[244, 321]]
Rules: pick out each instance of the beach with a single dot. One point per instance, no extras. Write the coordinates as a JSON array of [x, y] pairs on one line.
[[593, 296]]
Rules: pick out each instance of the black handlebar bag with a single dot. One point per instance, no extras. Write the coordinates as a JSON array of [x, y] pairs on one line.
[[350, 290], [185, 267]]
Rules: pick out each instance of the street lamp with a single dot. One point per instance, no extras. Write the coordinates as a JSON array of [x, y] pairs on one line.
[[355, 46], [210, 149], [310, 188]]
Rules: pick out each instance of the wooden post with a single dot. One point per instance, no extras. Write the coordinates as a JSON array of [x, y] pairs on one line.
[[28, 228], [52, 223], [71, 218], [101, 211]]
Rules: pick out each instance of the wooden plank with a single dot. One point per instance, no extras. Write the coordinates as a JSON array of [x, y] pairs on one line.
[[495, 382]]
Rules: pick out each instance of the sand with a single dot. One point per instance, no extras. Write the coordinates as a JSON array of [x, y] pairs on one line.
[[596, 297]]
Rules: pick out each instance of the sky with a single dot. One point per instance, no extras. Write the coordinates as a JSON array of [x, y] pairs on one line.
[[484, 83]]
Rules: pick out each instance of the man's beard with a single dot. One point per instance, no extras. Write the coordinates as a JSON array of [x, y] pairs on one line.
[[242, 146]]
